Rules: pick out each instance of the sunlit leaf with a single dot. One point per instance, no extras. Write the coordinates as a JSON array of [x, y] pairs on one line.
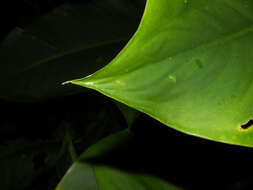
[[189, 66]]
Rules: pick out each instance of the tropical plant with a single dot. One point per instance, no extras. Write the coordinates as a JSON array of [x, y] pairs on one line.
[[187, 65]]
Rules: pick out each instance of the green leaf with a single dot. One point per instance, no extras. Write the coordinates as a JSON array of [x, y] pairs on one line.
[[22, 162], [87, 174], [189, 65], [16, 172], [129, 114], [69, 41], [67, 154]]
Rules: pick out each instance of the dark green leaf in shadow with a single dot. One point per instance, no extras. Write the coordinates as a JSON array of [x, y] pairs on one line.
[[16, 172], [129, 114], [71, 40], [22, 162], [98, 169]]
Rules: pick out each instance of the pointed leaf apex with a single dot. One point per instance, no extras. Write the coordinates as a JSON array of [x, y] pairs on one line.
[[67, 82], [85, 82]]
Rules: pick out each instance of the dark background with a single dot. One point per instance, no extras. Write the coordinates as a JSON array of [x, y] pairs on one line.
[[33, 135]]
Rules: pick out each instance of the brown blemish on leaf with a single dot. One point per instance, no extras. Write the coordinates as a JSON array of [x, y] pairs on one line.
[[247, 126]]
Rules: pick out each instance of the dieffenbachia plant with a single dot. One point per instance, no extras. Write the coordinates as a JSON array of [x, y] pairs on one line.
[[189, 65]]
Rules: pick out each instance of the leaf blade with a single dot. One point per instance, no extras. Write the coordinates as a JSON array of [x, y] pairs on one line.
[[91, 175], [189, 67], [69, 41]]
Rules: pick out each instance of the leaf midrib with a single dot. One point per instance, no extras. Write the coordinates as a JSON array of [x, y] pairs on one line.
[[74, 51]]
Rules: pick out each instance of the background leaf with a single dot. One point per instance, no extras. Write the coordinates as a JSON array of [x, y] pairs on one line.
[[189, 66], [129, 114], [38, 141], [23, 162], [88, 174], [71, 40]]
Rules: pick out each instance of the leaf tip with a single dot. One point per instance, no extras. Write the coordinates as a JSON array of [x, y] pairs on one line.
[[80, 82], [87, 82], [66, 82]]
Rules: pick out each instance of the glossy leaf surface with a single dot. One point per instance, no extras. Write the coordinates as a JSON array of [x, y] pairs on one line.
[[90, 174], [189, 65], [71, 40]]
